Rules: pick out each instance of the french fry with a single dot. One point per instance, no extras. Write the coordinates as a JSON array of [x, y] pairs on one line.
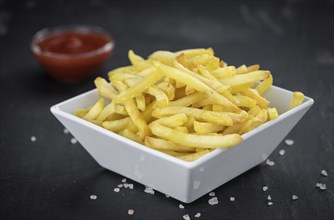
[[140, 102], [130, 135], [82, 112], [202, 115], [173, 121], [105, 89], [161, 144], [297, 99], [182, 129], [188, 100], [272, 113], [205, 128], [110, 109], [245, 101], [137, 118], [94, 112], [193, 140], [196, 84], [116, 125], [252, 93], [139, 87], [168, 89], [251, 77], [265, 85]]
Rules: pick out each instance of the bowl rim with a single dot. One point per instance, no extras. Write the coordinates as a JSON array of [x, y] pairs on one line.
[[55, 109], [44, 33]]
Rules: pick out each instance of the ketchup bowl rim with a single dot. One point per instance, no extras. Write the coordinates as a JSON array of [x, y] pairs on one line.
[[46, 32]]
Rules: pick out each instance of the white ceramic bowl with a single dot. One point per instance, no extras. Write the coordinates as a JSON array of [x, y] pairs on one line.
[[185, 181]]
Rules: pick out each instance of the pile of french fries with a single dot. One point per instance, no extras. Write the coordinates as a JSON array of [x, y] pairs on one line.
[[183, 103]]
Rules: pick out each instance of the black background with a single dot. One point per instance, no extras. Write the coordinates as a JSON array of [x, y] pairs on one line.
[[53, 179]]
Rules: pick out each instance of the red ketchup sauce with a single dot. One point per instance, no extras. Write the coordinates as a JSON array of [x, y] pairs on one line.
[[72, 55]]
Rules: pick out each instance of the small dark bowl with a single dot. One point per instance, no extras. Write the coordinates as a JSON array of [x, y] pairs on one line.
[[72, 66]]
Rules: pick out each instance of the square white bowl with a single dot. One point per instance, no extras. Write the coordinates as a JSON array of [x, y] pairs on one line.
[[184, 181]]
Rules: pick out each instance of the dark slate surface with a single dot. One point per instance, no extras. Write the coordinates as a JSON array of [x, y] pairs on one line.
[[53, 179]]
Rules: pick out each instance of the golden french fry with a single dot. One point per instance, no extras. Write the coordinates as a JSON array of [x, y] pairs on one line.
[[252, 68], [225, 72], [81, 112], [188, 100], [182, 129], [297, 99], [165, 57], [245, 101], [168, 89], [195, 52], [130, 135], [121, 70], [250, 77], [139, 87], [116, 125], [138, 62], [196, 84], [193, 140], [272, 113], [173, 121], [161, 144], [137, 118], [140, 102], [105, 89], [265, 85], [239, 88], [205, 128], [199, 114], [94, 112], [242, 69], [252, 93]]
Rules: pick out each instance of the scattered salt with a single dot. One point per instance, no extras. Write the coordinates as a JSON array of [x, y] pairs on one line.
[[93, 197], [65, 131], [270, 163], [269, 197], [116, 189], [321, 186], [130, 186], [131, 211], [324, 173], [126, 185], [232, 199], [213, 201], [270, 203], [282, 152], [181, 206], [265, 188], [120, 185], [198, 215], [186, 217], [149, 190], [123, 180], [212, 194], [33, 138], [73, 141], [294, 197], [289, 142]]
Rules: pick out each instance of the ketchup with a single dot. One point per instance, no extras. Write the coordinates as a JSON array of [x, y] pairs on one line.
[[72, 55]]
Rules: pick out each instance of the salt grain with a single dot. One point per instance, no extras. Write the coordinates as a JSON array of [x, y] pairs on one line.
[[181, 206], [73, 141], [270, 203], [321, 186], [130, 186], [65, 131], [198, 215], [186, 217], [269, 197], [282, 152], [120, 185], [212, 194], [294, 197], [149, 190], [289, 142], [232, 199], [123, 180], [33, 138], [324, 173], [126, 185], [265, 188], [270, 163], [131, 212], [213, 201], [93, 197], [116, 189]]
